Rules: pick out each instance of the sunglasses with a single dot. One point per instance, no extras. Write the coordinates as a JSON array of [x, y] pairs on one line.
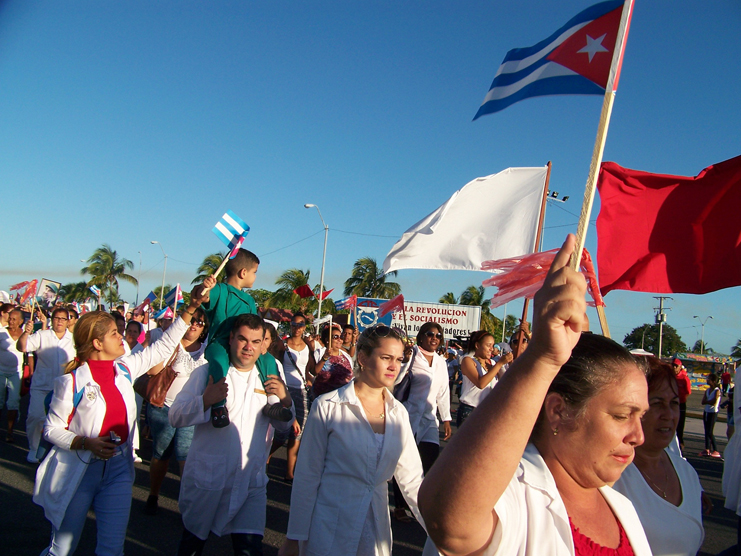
[[336, 336], [516, 341], [383, 331], [298, 324], [431, 334], [195, 322]]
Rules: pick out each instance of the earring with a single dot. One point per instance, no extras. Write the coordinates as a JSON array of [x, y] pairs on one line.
[[555, 431]]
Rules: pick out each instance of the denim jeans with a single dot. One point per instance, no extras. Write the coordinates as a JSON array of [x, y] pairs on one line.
[[167, 439], [11, 384], [107, 487]]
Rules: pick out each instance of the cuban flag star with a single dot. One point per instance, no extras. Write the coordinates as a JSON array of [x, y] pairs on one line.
[[575, 60]]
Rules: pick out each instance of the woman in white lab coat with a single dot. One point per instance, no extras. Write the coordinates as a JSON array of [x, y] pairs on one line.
[[355, 440], [91, 426]]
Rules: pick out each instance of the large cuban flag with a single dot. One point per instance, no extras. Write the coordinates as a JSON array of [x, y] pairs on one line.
[[574, 60]]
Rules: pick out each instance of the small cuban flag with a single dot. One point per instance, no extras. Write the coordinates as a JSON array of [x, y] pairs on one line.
[[346, 303], [230, 229], [95, 290], [165, 313], [172, 294]]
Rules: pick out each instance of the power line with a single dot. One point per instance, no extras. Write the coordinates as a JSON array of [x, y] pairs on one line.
[[292, 244], [360, 234]]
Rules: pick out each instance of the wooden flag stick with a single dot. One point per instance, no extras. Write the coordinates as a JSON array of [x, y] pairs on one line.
[[599, 148]]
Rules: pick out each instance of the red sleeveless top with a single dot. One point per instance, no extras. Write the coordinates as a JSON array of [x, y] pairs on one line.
[[584, 546]]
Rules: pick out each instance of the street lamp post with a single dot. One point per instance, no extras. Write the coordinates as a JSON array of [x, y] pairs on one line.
[[702, 336], [324, 257], [164, 270], [138, 279]]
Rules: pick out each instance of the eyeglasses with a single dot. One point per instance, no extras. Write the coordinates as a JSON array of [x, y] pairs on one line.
[[195, 322], [59, 318], [298, 324], [431, 334]]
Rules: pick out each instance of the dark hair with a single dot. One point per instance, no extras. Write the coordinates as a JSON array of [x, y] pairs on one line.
[[429, 326], [713, 377], [300, 315], [275, 341], [657, 372], [371, 338], [60, 310], [200, 314], [6, 308], [325, 333], [348, 327], [250, 320], [595, 363], [119, 317], [72, 311], [243, 259], [475, 338]]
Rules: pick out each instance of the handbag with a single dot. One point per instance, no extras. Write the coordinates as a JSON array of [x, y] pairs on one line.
[[153, 388]]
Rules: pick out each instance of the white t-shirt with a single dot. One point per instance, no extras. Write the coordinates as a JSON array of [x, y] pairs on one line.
[[11, 360], [671, 530], [185, 363], [713, 408], [294, 365]]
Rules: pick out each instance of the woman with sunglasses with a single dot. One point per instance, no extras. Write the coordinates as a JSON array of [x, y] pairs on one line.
[[356, 439], [479, 375], [429, 393], [332, 354], [166, 439]]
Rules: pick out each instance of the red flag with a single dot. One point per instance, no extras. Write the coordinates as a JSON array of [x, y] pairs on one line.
[[304, 291], [30, 291], [523, 276], [18, 286], [391, 305], [325, 294], [669, 234]]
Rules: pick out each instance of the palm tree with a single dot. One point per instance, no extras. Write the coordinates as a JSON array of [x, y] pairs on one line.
[[473, 295], [449, 299], [75, 291], [284, 297], [736, 350], [368, 280], [107, 269], [208, 267]]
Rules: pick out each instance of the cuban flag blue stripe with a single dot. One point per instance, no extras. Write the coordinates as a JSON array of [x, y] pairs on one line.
[[170, 297], [527, 65], [230, 227]]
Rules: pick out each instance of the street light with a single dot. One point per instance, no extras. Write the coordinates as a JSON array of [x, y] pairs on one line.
[[324, 257], [138, 279], [702, 336], [164, 270]]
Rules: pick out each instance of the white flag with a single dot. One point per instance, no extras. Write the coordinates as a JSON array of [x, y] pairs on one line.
[[494, 217]]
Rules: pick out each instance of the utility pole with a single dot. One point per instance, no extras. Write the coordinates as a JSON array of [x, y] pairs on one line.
[[661, 318]]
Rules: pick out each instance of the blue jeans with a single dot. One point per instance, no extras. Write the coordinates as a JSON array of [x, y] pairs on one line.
[[11, 384], [166, 439], [107, 487]]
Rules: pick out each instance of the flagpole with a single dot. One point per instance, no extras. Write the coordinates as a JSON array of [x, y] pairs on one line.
[[538, 236], [599, 146]]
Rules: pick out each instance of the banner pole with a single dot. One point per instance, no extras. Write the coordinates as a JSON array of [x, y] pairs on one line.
[[599, 146]]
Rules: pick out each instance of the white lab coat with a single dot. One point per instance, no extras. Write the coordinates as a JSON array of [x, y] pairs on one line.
[[52, 355], [533, 520], [337, 477], [428, 394], [223, 488], [61, 472]]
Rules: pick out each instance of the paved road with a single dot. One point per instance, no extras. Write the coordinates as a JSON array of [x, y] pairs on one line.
[[25, 531]]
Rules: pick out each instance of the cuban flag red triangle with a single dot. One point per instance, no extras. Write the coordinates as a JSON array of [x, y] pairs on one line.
[[589, 51]]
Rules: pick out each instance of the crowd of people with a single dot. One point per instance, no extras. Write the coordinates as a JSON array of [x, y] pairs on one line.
[[566, 442]]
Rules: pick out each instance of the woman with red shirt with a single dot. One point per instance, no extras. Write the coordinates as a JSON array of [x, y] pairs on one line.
[[90, 424]]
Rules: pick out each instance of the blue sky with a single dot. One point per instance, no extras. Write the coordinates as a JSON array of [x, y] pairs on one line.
[[126, 122]]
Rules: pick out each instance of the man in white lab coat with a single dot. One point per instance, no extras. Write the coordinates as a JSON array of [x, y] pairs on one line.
[[223, 488]]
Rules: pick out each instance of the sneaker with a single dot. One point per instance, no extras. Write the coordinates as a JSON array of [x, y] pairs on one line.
[[137, 459], [219, 417], [716, 455], [151, 507], [704, 453]]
